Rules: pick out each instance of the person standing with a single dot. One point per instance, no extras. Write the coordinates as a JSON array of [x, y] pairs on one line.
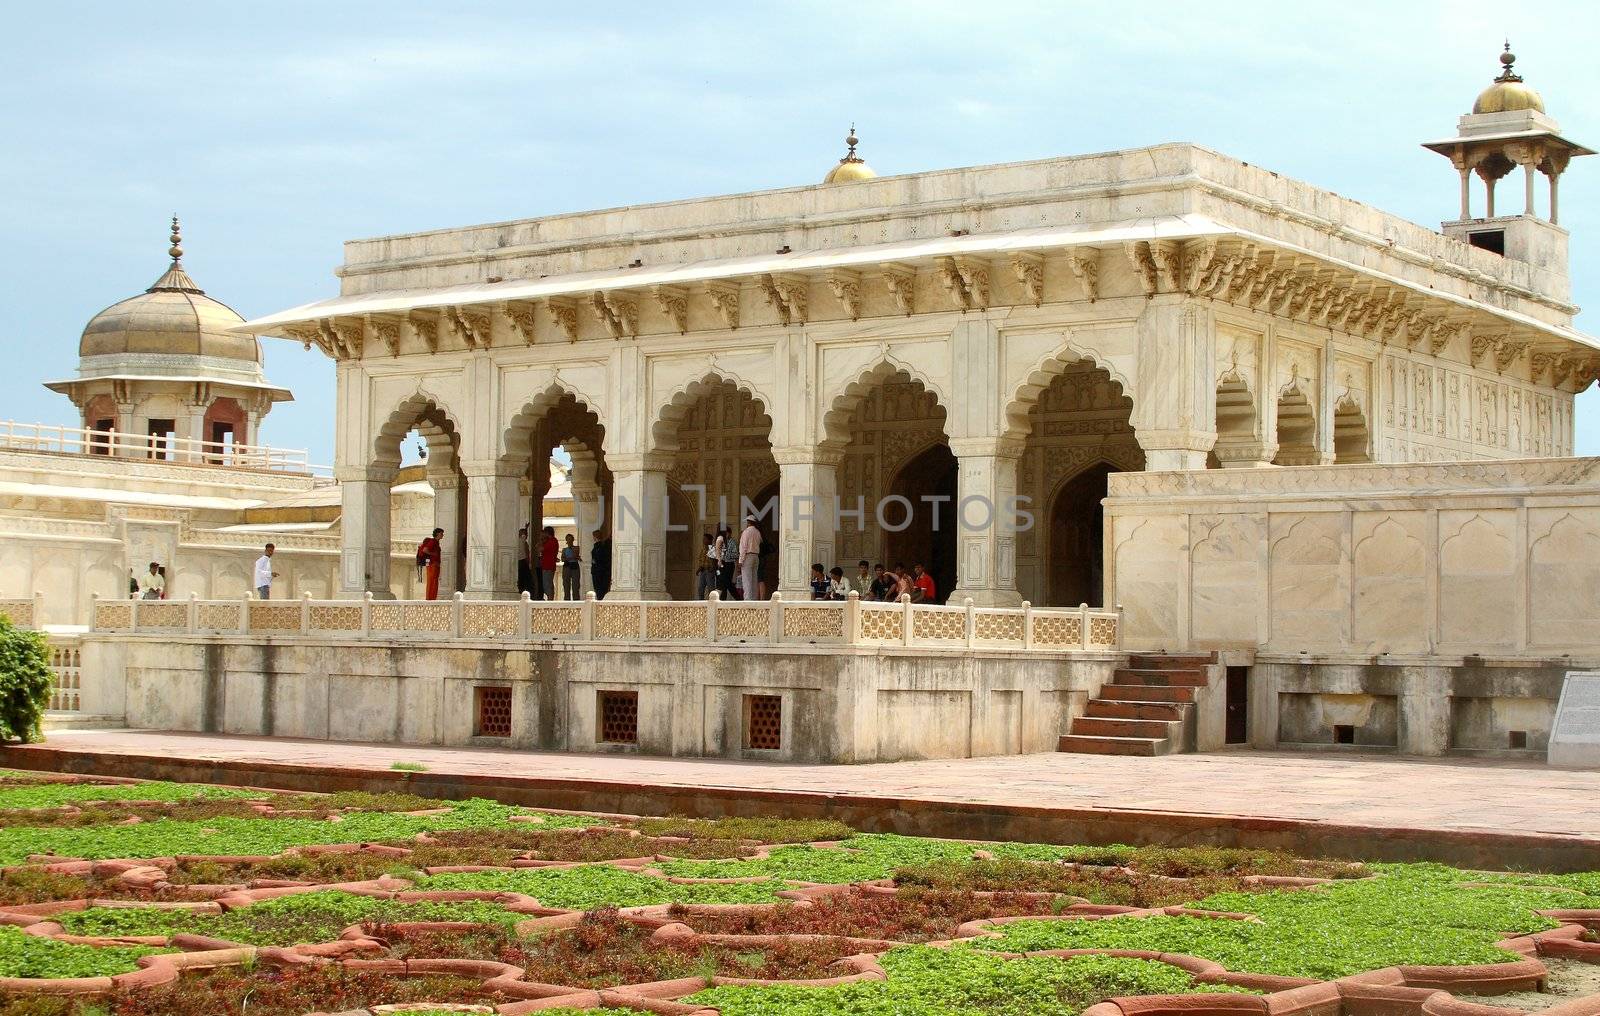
[[549, 557], [883, 584], [922, 588], [571, 570], [706, 574], [600, 566], [430, 555], [750, 559], [524, 563], [264, 573], [152, 584], [727, 561]]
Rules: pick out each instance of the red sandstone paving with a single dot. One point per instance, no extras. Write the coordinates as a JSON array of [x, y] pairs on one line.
[[1370, 790]]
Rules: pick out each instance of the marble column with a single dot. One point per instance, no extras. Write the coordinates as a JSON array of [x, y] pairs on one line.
[[493, 509], [586, 509], [125, 433], [638, 530], [986, 523], [448, 514], [808, 516], [195, 430], [1174, 404], [364, 530]]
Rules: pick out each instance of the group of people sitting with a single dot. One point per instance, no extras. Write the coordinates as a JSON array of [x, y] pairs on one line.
[[879, 583]]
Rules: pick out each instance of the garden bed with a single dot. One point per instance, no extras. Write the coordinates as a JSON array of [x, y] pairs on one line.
[[122, 899]]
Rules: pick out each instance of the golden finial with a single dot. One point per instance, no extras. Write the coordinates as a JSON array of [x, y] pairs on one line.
[[852, 166], [1508, 58], [176, 250], [851, 141]]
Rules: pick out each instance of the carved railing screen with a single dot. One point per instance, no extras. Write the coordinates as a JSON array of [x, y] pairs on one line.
[[772, 622]]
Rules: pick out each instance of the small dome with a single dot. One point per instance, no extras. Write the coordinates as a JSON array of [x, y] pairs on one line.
[[174, 316], [1508, 93], [850, 168]]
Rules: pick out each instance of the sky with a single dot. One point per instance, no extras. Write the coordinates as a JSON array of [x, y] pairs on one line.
[[277, 131]]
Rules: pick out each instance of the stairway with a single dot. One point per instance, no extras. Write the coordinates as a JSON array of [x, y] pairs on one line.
[[1143, 711]]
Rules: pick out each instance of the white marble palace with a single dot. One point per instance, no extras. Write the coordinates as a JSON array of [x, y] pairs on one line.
[[1022, 329], [1324, 453]]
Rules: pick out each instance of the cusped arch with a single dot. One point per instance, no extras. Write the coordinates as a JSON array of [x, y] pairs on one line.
[[420, 410], [676, 407], [842, 407], [1352, 438], [1018, 422], [542, 405]]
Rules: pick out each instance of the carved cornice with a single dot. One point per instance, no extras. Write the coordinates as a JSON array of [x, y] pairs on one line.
[[1144, 267], [724, 297], [344, 336], [617, 311], [974, 273]]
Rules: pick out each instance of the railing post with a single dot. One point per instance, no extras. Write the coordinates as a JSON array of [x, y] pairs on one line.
[[244, 613], [525, 616], [972, 623], [305, 613], [94, 612], [712, 599], [905, 622], [1027, 625], [366, 614], [1083, 624], [133, 614], [1118, 644], [192, 618], [775, 618], [38, 610], [456, 600], [586, 618], [852, 618]]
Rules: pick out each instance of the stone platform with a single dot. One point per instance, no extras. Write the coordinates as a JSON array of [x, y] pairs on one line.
[[1475, 813]]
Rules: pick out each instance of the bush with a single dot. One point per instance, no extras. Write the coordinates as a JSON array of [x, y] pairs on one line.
[[25, 681]]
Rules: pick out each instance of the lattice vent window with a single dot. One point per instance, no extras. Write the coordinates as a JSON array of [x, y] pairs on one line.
[[619, 717], [494, 711], [763, 722]]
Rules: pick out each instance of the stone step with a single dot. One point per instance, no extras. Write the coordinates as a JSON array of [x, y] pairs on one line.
[[1145, 693], [1086, 745], [1106, 726], [1156, 661], [1160, 678], [1113, 709]]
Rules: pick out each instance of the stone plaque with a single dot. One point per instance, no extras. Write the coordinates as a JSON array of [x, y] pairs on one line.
[[1575, 737]]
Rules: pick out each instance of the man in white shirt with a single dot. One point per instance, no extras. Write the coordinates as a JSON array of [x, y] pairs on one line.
[[152, 585], [750, 559], [265, 574]]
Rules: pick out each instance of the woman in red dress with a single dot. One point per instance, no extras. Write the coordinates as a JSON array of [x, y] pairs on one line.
[[429, 555]]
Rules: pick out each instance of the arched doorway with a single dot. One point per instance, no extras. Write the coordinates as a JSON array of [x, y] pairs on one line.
[[931, 473], [1077, 538], [719, 437], [559, 443], [419, 433]]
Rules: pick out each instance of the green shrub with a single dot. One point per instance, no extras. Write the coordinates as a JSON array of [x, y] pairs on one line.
[[25, 681], [23, 955]]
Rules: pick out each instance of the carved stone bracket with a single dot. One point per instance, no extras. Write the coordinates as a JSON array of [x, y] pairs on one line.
[[901, 281], [724, 297], [1144, 266], [470, 325], [1029, 270], [787, 293], [1482, 346], [425, 323], [1084, 263], [950, 279], [521, 317], [1506, 353], [674, 303], [564, 312], [975, 277], [617, 311], [309, 334], [846, 286], [1168, 258], [344, 336], [387, 329]]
